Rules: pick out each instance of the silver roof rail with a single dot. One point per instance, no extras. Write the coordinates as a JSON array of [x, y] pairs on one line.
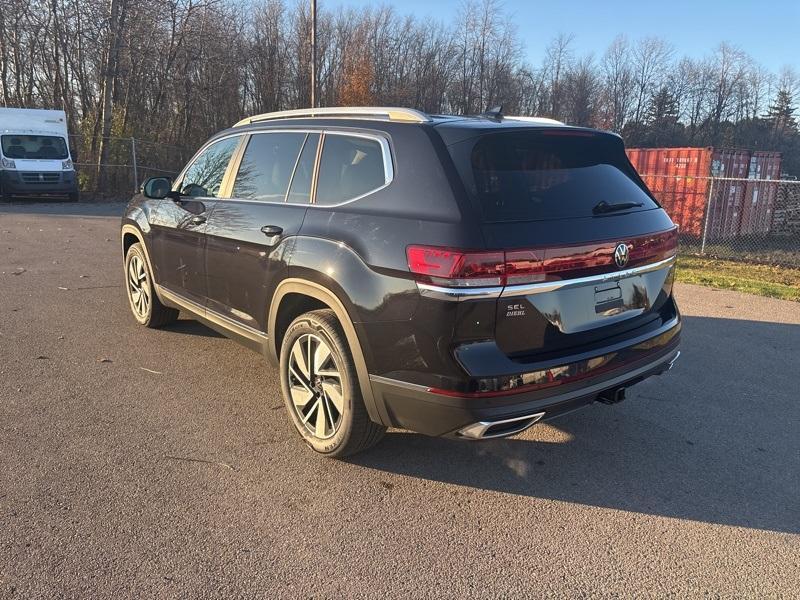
[[539, 120], [390, 113]]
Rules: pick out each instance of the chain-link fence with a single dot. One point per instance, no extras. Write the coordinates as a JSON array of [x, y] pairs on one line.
[[749, 220], [129, 161]]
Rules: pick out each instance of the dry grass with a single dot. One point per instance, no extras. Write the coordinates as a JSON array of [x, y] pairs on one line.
[[764, 280]]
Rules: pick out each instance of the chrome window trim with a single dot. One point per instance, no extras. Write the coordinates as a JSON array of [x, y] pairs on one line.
[[386, 151], [526, 289]]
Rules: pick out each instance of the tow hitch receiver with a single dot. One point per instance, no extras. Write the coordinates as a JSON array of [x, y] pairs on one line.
[[612, 396]]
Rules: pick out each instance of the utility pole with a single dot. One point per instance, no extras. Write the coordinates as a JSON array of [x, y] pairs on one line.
[[313, 53]]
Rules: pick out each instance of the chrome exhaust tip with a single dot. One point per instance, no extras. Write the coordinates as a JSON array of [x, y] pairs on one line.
[[484, 430]]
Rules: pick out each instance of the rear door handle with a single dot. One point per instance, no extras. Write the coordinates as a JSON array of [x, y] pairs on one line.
[[198, 220], [273, 233]]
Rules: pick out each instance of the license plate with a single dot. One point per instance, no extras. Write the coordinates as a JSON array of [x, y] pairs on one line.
[[607, 298]]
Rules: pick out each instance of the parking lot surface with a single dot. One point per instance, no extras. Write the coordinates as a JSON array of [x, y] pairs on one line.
[[140, 463]]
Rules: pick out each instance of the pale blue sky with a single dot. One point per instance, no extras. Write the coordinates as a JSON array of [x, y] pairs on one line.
[[769, 30]]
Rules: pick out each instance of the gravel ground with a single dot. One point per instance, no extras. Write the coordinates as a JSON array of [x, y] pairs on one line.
[[138, 463]]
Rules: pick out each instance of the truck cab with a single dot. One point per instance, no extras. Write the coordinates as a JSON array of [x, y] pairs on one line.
[[35, 159]]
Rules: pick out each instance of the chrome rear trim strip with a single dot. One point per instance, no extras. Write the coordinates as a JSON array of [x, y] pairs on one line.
[[480, 293], [551, 286], [458, 294]]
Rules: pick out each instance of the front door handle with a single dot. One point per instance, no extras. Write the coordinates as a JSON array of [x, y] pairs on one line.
[[273, 233], [197, 220]]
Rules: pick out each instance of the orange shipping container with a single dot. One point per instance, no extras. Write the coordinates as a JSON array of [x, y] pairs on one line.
[[676, 178], [680, 179]]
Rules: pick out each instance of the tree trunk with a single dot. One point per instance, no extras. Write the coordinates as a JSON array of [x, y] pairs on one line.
[[109, 75]]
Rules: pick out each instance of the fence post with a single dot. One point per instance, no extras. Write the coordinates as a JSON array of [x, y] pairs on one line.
[[708, 214], [135, 166]]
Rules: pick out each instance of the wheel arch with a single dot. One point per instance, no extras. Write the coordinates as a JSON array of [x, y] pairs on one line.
[[320, 297], [130, 235]]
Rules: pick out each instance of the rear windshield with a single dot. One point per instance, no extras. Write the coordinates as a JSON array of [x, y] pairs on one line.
[[533, 176], [34, 146]]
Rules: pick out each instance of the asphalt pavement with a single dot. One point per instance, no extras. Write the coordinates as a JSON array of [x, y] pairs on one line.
[[138, 463]]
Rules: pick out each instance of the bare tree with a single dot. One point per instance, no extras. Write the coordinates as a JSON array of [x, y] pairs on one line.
[[174, 71], [729, 71], [558, 58], [582, 86], [618, 81], [651, 57], [116, 20]]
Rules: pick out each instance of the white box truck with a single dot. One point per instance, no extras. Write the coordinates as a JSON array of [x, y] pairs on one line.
[[34, 154]]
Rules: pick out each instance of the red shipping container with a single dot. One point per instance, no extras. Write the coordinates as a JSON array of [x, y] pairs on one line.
[[727, 197], [676, 178], [760, 195], [680, 178]]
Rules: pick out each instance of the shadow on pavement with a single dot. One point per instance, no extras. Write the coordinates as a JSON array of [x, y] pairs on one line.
[[192, 327], [63, 208], [716, 440]]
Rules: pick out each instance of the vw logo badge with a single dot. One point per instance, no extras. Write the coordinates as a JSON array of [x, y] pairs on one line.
[[621, 253]]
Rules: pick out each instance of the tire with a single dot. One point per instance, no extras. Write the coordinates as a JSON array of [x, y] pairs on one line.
[[322, 395], [73, 197], [142, 299]]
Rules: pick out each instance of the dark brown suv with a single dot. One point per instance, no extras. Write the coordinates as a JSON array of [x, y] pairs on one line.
[[461, 276]]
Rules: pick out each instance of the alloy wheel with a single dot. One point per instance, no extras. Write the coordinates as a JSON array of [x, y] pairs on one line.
[[315, 386], [138, 286]]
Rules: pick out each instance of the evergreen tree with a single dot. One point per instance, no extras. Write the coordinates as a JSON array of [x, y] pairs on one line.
[[780, 115], [662, 109], [662, 126]]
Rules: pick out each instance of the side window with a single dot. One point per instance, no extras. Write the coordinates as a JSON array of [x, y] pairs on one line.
[[349, 167], [300, 190], [204, 176], [267, 166]]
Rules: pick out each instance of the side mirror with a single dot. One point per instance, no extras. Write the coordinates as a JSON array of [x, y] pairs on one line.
[[157, 188]]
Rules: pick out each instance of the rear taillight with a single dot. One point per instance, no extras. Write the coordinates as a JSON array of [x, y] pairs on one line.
[[658, 246], [524, 266], [455, 267], [459, 268]]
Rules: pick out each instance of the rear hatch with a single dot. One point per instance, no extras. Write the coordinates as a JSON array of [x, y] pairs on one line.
[[588, 253]]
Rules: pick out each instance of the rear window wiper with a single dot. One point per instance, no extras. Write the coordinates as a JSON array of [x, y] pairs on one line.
[[604, 207]]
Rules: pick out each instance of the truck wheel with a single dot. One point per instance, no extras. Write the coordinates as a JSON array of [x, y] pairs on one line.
[[74, 197], [320, 387], [144, 303]]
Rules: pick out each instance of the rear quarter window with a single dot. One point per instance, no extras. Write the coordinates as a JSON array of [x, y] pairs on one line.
[[350, 167], [532, 176]]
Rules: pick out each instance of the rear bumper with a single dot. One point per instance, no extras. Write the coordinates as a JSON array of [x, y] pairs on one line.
[[22, 183], [419, 408]]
